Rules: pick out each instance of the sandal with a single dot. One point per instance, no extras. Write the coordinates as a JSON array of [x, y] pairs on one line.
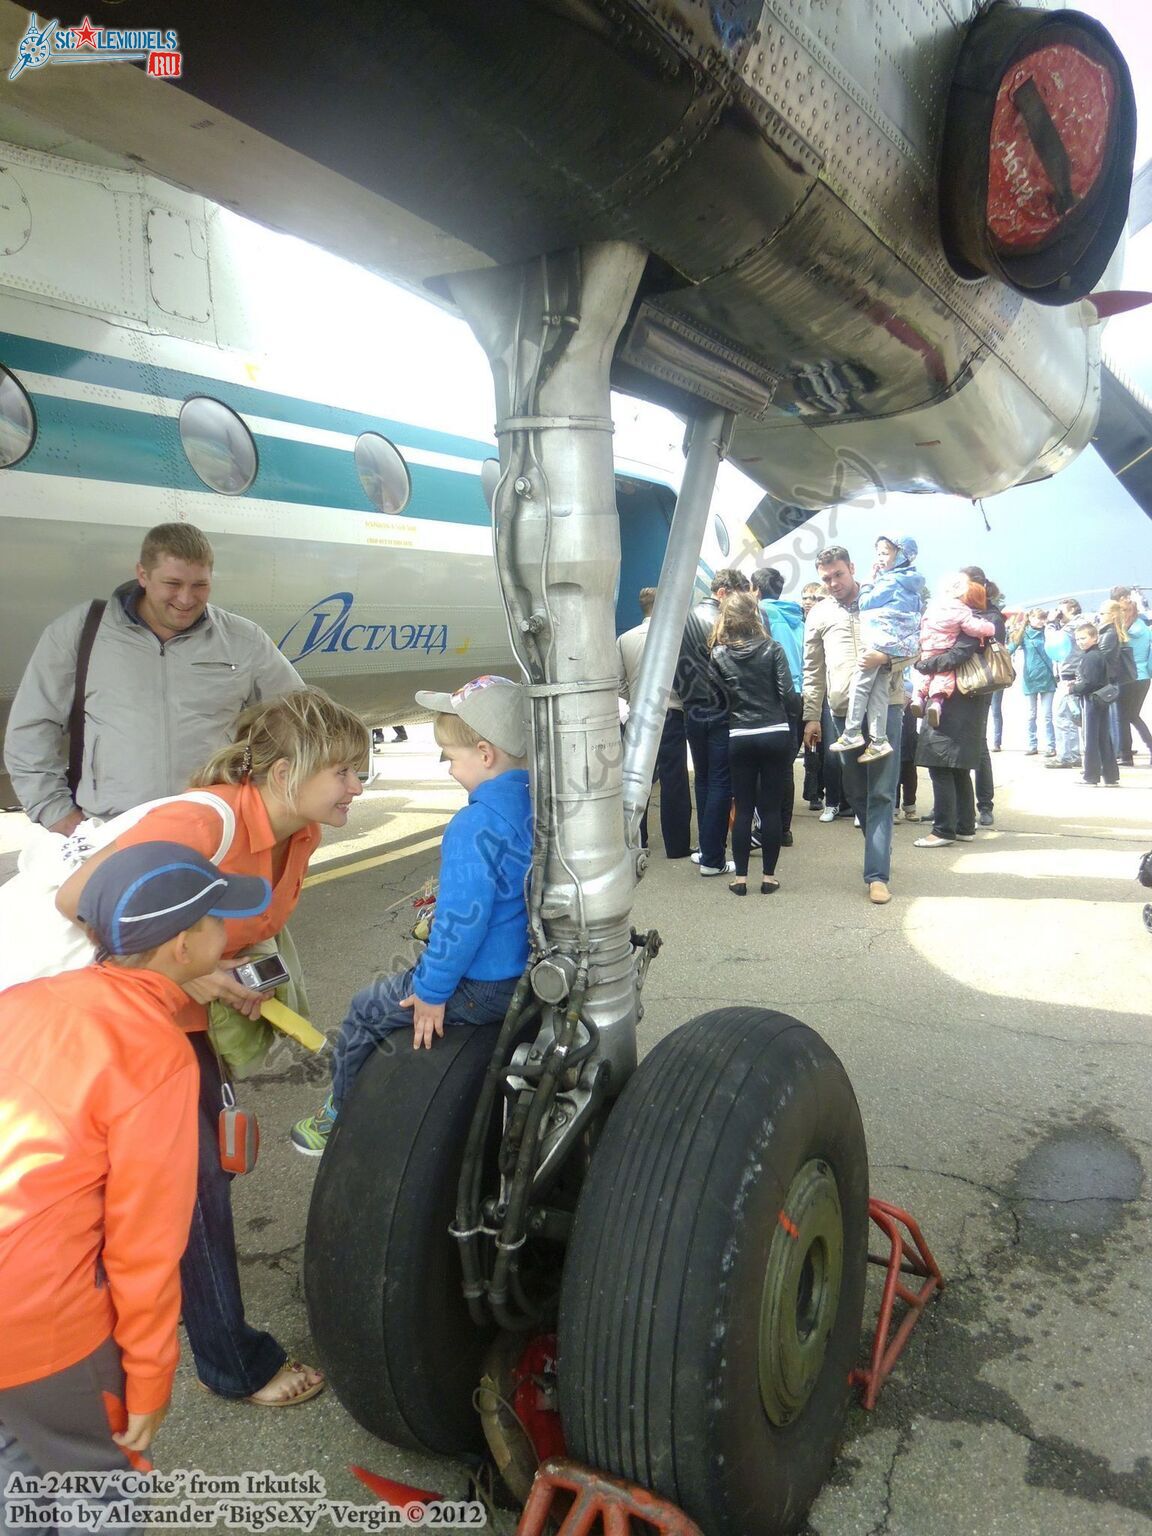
[[738, 887], [769, 886], [283, 1378]]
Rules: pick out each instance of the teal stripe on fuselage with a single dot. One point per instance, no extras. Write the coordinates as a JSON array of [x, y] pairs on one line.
[[26, 352], [86, 440]]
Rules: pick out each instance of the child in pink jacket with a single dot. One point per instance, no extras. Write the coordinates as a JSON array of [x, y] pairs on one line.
[[946, 618]]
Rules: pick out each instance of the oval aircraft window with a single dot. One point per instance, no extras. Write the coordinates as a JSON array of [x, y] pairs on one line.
[[721, 533], [17, 421], [218, 445], [489, 479], [383, 473]]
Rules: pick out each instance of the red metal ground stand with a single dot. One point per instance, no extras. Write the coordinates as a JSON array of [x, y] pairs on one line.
[[904, 1258], [603, 1506]]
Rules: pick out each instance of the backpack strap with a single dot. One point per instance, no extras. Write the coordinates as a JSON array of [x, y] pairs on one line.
[[76, 713]]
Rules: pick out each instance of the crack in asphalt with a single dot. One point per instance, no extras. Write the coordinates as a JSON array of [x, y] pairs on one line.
[[902, 1443]]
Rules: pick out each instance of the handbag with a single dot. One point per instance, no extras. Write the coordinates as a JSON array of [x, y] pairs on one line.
[[1106, 695], [36, 940], [986, 671]]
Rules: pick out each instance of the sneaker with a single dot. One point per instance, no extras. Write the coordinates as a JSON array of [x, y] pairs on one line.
[[727, 869], [916, 709], [846, 743], [786, 839], [1050, 754], [911, 813], [932, 714], [1031, 752], [815, 805], [986, 819], [695, 855], [856, 821], [829, 813], [1062, 762], [310, 1136], [875, 751]]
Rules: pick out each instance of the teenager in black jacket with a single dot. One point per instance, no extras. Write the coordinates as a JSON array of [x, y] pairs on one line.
[[1092, 675], [763, 704]]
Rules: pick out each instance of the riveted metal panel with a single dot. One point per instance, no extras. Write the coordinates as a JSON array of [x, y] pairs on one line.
[[82, 248]]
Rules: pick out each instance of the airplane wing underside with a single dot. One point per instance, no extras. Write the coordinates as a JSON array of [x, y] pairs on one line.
[[779, 166]]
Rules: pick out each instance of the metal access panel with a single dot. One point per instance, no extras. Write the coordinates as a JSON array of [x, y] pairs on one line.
[[68, 234], [178, 265]]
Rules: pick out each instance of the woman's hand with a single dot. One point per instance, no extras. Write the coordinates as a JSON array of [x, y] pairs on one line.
[[221, 986]]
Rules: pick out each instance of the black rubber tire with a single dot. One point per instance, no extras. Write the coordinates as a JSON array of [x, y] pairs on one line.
[[381, 1273], [666, 1272]]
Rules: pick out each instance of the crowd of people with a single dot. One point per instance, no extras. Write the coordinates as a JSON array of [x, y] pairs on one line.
[[872, 680], [186, 773]]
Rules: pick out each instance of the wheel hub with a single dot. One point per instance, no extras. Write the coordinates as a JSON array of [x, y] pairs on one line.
[[801, 1291]]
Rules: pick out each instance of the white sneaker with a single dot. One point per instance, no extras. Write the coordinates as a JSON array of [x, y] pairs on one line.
[[696, 857], [728, 869], [856, 821], [828, 813], [875, 751], [846, 743]]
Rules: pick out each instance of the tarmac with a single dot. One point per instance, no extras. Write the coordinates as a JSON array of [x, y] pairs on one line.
[[994, 1022]]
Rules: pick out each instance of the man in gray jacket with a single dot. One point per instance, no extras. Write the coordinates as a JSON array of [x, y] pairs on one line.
[[831, 650], [167, 676]]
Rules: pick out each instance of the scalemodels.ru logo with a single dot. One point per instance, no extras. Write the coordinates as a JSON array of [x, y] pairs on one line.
[[51, 43]]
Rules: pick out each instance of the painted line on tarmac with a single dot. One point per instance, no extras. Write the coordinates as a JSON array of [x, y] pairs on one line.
[[374, 863]]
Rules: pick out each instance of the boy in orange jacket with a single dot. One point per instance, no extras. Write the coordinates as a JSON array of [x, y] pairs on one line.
[[98, 1093]]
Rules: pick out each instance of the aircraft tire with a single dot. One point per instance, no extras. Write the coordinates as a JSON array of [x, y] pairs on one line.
[[705, 1339], [381, 1273]]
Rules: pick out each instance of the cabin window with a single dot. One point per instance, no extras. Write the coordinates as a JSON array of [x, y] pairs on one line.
[[17, 421], [489, 479], [383, 472], [721, 533], [218, 445]]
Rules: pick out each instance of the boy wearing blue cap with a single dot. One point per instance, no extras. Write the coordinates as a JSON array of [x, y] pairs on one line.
[[890, 609], [98, 1150]]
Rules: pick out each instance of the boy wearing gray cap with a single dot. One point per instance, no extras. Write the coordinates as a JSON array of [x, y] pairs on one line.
[[478, 946], [98, 1150]]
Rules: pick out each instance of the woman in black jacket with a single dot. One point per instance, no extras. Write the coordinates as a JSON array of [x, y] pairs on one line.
[[762, 706], [1093, 675]]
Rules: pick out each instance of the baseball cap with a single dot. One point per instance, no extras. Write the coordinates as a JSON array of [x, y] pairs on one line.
[[145, 895], [492, 706]]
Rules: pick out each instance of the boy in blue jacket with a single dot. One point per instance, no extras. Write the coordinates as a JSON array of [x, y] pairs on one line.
[[478, 946], [890, 608]]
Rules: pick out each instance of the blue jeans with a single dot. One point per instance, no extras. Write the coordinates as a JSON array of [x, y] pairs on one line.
[[375, 1013], [997, 715], [232, 1358], [871, 787], [1067, 723], [1041, 702], [708, 744]]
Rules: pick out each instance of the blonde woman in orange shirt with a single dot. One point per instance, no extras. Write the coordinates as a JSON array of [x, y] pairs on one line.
[[293, 768]]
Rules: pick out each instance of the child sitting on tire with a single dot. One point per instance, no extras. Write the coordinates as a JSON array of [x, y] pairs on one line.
[[478, 945]]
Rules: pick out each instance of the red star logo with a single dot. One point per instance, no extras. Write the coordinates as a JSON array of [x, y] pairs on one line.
[[85, 34]]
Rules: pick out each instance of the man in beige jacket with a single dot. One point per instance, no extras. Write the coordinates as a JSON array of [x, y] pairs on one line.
[[831, 651]]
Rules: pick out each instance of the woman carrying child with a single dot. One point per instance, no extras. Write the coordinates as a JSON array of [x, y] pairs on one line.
[[293, 768], [946, 618], [763, 706], [890, 608]]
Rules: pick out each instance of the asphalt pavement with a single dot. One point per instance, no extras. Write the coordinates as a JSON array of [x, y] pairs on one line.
[[994, 1022]]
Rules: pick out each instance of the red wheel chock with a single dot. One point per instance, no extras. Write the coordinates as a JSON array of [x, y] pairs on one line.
[[601, 1506], [904, 1258]]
